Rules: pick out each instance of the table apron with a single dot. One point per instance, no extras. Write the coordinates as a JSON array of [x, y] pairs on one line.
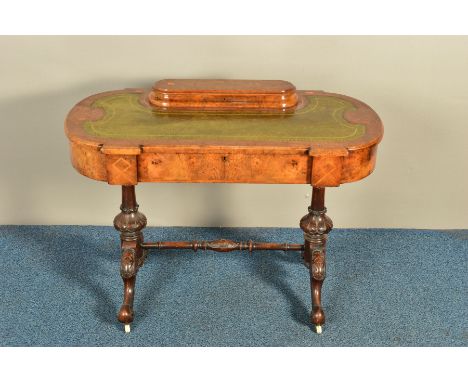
[[190, 167]]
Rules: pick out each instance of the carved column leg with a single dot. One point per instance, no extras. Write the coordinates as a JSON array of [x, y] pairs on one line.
[[316, 226], [129, 222]]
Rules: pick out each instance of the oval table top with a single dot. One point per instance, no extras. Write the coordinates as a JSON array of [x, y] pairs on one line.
[[124, 123]]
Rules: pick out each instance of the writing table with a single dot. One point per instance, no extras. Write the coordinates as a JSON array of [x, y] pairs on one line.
[[223, 131]]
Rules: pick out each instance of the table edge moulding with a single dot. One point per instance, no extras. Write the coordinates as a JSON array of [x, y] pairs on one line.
[[223, 131]]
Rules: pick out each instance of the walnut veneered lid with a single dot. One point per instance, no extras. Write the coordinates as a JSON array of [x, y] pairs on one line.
[[223, 94]]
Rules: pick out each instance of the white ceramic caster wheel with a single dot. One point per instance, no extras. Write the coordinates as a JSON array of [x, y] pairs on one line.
[[318, 329], [127, 328]]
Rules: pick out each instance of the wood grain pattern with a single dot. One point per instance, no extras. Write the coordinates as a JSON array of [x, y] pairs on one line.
[[121, 169], [223, 168], [126, 161], [223, 94]]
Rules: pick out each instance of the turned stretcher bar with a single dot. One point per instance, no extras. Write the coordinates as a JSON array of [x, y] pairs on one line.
[[223, 245]]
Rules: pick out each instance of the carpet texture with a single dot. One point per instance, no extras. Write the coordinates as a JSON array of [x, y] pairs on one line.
[[61, 287]]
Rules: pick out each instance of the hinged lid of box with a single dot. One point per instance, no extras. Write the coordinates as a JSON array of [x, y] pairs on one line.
[[223, 94]]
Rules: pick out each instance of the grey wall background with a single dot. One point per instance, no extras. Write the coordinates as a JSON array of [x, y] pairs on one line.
[[418, 85]]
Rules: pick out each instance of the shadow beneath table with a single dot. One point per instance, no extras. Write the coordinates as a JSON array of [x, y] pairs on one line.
[[76, 259], [257, 263], [277, 276]]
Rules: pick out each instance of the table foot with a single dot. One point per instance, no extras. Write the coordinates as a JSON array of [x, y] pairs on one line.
[[316, 226], [127, 328], [126, 315]]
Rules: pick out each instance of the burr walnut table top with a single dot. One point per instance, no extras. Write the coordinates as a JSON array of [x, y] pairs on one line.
[[121, 138]]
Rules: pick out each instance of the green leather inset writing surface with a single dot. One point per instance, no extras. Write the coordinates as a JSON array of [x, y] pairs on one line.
[[320, 120]]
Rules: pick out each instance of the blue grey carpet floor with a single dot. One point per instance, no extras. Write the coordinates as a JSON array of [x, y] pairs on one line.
[[61, 287]]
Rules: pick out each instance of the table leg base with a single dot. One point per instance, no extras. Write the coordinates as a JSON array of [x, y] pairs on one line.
[[126, 314], [316, 226], [129, 222]]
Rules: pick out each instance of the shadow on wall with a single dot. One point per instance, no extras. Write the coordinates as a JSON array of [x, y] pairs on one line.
[[39, 184], [41, 187]]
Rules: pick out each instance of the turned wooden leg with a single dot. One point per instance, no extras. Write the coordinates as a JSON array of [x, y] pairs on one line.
[[129, 222], [316, 225]]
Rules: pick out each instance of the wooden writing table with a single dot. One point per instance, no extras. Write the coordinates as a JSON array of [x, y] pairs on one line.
[[221, 131]]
